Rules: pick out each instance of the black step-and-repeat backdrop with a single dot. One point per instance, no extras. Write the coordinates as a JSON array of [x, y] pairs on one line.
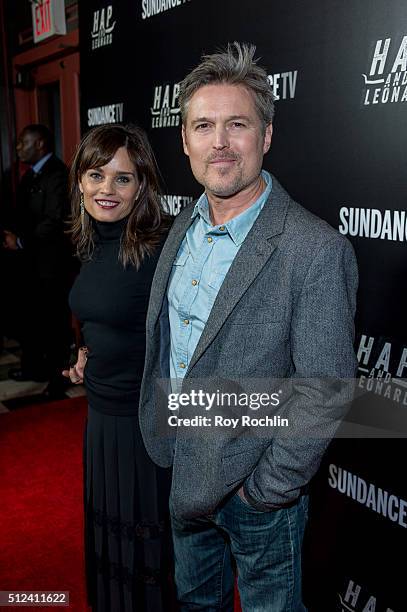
[[339, 73]]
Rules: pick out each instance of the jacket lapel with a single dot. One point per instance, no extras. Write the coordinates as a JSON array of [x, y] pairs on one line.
[[254, 253]]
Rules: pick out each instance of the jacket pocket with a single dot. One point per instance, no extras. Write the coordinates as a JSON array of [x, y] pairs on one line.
[[237, 467]]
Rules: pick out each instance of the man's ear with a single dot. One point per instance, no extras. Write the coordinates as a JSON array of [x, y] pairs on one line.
[[267, 138], [184, 140]]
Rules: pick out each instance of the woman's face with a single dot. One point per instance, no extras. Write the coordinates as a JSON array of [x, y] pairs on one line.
[[109, 192]]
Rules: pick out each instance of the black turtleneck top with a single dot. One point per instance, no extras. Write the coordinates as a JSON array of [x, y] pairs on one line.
[[111, 302]]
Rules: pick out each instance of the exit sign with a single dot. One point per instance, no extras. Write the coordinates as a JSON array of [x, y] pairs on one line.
[[48, 18]]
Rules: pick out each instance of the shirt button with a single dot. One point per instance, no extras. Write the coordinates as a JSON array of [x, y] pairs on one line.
[[222, 228], [194, 282], [186, 321], [210, 239], [182, 365]]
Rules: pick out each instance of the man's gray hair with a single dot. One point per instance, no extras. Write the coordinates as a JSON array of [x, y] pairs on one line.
[[235, 66]]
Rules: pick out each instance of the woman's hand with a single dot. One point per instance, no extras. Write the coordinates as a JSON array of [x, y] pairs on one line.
[[75, 373], [10, 241]]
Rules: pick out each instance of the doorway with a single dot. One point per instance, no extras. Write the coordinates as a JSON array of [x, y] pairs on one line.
[[47, 91]]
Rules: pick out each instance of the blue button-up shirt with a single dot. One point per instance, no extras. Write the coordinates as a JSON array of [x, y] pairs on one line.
[[201, 264]]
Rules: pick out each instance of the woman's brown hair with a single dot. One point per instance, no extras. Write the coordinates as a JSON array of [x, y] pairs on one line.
[[146, 222]]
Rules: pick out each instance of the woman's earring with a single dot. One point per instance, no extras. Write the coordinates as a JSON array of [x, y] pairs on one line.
[[82, 205]]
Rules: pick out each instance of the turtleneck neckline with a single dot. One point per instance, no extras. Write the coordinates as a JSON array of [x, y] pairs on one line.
[[109, 230]]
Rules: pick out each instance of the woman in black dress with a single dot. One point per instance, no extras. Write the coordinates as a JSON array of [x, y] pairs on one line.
[[118, 228]]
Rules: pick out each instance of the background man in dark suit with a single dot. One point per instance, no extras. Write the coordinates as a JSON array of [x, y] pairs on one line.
[[250, 287], [38, 234]]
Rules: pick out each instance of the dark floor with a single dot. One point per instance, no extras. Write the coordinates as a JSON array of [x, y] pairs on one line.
[[14, 395]]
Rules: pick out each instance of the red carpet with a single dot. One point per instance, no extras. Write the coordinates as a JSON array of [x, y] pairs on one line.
[[41, 500], [41, 519]]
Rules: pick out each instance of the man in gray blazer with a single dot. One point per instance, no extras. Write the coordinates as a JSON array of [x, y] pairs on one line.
[[250, 287]]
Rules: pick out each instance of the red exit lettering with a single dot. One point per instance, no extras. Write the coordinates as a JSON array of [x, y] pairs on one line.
[[43, 17]]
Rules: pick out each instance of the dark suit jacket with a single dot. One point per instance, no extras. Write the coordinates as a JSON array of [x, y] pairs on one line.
[[285, 310], [41, 213]]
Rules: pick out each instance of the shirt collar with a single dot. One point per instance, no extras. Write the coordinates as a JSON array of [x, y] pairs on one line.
[[40, 163], [239, 226]]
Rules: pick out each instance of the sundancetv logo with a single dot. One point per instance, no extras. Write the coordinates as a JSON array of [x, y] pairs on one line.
[[355, 598], [373, 223], [173, 204], [376, 499], [386, 81], [150, 8], [284, 84], [111, 113], [165, 111]]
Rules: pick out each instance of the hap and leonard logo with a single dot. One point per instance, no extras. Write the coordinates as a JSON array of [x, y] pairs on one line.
[[165, 111], [102, 27], [386, 81], [356, 598]]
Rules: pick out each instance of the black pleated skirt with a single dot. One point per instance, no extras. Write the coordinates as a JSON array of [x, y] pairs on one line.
[[127, 533]]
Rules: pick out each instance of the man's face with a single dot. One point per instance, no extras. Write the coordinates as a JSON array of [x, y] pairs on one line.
[[224, 139], [29, 147]]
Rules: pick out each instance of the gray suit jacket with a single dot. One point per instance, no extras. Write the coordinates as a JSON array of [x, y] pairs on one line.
[[284, 310]]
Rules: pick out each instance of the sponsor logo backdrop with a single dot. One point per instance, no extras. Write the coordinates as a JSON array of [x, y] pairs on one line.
[[339, 73]]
